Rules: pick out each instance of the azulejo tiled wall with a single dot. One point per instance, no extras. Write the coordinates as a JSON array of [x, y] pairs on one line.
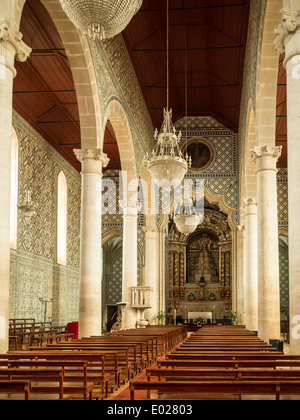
[[282, 198], [221, 177], [34, 272], [117, 80]]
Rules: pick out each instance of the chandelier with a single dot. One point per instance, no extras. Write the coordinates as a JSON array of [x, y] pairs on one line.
[[188, 221], [101, 19], [166, 165]]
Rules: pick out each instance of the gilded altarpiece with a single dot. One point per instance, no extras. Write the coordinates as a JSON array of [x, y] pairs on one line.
[[200, 268]]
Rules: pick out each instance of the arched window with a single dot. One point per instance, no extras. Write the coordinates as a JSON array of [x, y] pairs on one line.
[[61, 219], [14, 190]]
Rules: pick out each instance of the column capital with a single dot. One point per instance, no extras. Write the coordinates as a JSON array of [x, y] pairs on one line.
[[241, 228], [12, 39], [92, 160], [150, 231], [285, 32], [130, 207], [266, 157], [249, 202]]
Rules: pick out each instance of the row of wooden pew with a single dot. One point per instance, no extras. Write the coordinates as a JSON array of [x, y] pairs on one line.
[[89, 368], [24, 332], [222, 362]]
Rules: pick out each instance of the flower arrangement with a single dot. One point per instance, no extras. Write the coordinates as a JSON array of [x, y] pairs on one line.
[[199, 322]]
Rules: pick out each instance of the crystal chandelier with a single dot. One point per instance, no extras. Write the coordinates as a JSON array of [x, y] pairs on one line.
[[188, 221], [101, 19], [166, 165]]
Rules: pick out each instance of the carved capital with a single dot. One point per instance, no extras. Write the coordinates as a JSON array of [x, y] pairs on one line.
[[14, 39], [241, 228], [289, 23], [94, 154], [131, 206], [267, 156], [92, 160], [248, 202]]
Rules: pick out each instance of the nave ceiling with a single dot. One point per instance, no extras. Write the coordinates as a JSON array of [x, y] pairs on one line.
[[207, 45]]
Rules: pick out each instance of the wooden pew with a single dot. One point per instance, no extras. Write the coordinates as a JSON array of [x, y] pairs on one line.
[[116, 357], [193, 390], [11, 390], [75, 371], [222, 374], [231, 374], [223, 360], [253, 363], [134, 350], [95, 363], [146, 352], [38, 378]]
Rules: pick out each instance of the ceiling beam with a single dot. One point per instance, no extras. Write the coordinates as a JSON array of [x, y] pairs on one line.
[[57, 122], [18, 92], [200, 108], [186, 49], [234, 85], [181, 9]]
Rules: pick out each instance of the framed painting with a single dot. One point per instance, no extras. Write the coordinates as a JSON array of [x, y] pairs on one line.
[[200, 152]]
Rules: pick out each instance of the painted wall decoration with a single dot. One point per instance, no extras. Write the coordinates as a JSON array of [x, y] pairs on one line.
[[34, 271], [200, 152]]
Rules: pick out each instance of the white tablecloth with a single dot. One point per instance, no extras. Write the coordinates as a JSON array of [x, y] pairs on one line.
[[203, 315]]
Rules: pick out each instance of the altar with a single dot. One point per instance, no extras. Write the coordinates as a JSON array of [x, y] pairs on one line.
[[204, 315]]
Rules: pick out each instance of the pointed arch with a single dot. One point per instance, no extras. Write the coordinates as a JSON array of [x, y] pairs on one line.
[[116, 114], [250, 165], [267, 76], [83, 72]]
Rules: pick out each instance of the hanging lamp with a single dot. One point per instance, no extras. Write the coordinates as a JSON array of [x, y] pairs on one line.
[[166, 164], [188, 220], [101, 19]]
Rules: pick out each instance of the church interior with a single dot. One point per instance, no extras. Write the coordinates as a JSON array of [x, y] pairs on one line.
[[150, 185]]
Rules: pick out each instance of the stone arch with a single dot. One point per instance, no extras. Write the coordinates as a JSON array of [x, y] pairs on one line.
[[147, 195], [220, 201], [249, 165], [111, 235], [119, 234], [85, 81], [267, 76], [12, 10], [116, 114], [118, 118]]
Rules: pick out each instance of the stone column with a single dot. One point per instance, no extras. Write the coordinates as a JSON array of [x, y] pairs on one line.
[[288, 43], [161, 295], [11, 48], [268, 256], [151, 270], [241, 267], [129, 266], [251, 302], [90, 309]]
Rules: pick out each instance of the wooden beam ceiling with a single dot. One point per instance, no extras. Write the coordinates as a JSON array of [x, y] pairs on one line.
[[207, 41]]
